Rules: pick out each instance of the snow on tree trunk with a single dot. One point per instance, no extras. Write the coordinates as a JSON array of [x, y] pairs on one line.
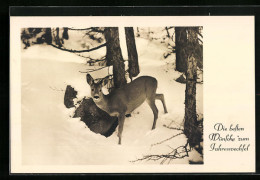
[[190, 124], [132, 52], [180, 42], [114, 56]]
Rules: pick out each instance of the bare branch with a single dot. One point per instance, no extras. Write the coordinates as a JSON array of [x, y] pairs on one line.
[[78, 51], [167, 139], [91, 29], [200, 34], [55, 89], [92, 60], [173, 127], [92, 70], [84, 29], [177, 153], [170, 27], [95, 60]]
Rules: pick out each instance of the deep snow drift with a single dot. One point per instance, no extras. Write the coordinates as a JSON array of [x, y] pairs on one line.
[[49, 134]]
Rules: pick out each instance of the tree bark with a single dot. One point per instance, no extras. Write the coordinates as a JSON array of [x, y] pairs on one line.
[[180, 43], [57, 38], [48, 36], [65, 34], [138, 33], [168, 34], [132, 52], [114, 56], [190, 125]]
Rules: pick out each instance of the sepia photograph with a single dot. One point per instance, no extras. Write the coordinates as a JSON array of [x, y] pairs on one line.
[[129, 94], [112, 95]]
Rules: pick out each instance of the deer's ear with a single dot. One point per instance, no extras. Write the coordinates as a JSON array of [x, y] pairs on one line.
[[105, 81], [89, 79]]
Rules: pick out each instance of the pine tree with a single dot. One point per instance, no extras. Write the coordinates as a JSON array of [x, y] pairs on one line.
[[190, 124]]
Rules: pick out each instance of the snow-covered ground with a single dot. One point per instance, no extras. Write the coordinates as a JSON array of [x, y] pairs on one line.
[[49, 134]]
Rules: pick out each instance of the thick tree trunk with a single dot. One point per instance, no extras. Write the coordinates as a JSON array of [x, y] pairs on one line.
[[114, 56], [190, 125], [180, 43], [132, 52]]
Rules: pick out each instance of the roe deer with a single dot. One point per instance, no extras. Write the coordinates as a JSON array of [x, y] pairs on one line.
[[124, 100]]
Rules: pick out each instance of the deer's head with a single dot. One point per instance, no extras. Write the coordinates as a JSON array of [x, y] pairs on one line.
[[96, 88]]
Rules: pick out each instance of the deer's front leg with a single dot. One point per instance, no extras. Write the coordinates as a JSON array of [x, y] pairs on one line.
[[121, 120]]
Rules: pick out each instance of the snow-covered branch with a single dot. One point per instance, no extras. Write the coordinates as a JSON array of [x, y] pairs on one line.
[[86, 29], [78, 51]]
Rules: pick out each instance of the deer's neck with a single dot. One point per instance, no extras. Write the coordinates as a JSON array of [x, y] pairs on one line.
[[103, 103]]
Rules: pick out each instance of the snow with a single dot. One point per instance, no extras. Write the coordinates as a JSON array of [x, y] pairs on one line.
[[51, 137]]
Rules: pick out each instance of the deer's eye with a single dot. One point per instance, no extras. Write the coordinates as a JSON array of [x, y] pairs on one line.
[[100, 90], [92, 89]]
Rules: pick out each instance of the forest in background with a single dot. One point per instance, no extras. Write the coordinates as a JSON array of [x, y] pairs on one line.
[[101, 50]]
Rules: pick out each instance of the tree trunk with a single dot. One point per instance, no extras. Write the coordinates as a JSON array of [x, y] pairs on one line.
[[138, 33], [48, 36], [114, 56], [57, 38], [168, 34], [65, 34], [180, 43], [132, 52], [190, 125]]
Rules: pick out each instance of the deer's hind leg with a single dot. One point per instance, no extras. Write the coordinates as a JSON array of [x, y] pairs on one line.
[[151, 103], [150, 98], [161, 97], [121, 120]]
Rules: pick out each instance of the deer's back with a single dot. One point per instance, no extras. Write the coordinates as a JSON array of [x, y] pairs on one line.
[[134, 93]]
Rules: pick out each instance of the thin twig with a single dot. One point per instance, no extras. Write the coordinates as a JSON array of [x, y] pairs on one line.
[[174, 154], [180, 129], [92, 70], [95, 60], [84, 29], [167, 139], [55, 89], [92, 29]]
